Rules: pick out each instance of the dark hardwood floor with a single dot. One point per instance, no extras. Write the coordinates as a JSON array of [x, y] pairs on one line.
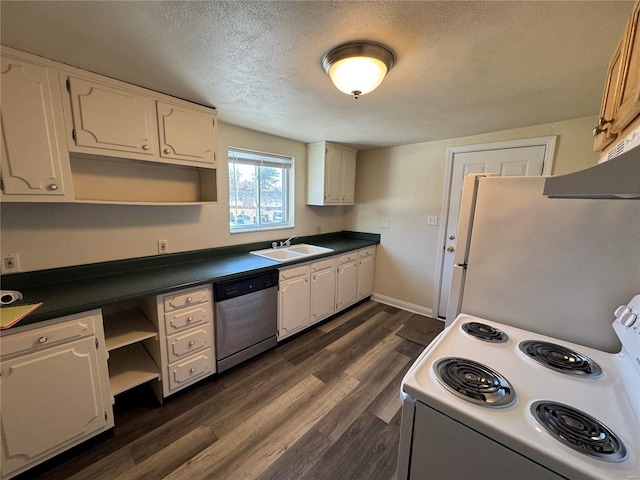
[[324, 405]]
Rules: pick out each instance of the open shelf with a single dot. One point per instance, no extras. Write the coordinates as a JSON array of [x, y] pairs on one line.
[[127, 327], [109, 180], [129, 367]]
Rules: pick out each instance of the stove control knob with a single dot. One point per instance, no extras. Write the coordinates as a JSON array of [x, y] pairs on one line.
[[621, 310], [628, 318]]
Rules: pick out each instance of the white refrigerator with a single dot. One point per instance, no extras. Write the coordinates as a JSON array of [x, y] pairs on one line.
[[554, 266]]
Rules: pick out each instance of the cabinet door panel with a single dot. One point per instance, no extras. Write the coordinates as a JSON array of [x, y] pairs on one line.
[[186, 134], [33, 148], [346, 285], [49, 399], [366, 271], [348, 177], [607, 109], [323, 294], [333, 174], [109, 118], [628, 100], [293, 305]]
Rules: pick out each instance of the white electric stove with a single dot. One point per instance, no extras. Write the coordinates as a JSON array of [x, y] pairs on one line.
[[486, 400]]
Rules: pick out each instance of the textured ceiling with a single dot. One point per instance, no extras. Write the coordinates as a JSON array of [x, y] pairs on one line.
[[462, 67]]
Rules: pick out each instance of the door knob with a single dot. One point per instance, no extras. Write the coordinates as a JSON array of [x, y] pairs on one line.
[[450, 249]]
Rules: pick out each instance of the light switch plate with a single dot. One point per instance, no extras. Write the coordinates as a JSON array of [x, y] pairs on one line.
[[432, 220]]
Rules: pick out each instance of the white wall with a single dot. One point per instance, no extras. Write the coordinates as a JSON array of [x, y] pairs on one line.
[[48, 235], [405, 185]]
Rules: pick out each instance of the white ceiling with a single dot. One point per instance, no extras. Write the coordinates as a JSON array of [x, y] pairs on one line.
[[462, 68]]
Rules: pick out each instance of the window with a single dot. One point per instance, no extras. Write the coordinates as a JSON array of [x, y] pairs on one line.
[[259, 190]]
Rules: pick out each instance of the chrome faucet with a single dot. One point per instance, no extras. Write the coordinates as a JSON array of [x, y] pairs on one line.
[[287, 242]]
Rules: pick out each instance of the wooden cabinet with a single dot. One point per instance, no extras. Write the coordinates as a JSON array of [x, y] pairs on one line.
[[184, 320], [331, 174], [54, 390], [347, 281], [366, 272], [621, 98], [35, 160], [294, 292], [323, 289]]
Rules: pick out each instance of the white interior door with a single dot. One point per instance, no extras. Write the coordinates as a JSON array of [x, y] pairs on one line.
[[528, 157]]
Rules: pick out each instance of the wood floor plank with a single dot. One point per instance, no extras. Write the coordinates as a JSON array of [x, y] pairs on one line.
[[213, 461], [324, 405]]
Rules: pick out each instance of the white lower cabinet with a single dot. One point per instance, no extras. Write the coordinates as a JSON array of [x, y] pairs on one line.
[[323, 289], [310, 293], [185, 352], [294, 292], [54, 390], [366, 272], [347, 281]]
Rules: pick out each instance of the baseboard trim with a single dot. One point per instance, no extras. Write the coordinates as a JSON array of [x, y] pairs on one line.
[[401, 304]]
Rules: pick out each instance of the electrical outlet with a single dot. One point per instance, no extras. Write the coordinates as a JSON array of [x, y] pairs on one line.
[[10, 263], [163, 246], [432, 220], [318, 230]]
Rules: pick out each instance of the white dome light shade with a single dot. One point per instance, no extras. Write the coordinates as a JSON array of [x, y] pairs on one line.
[[357, 74], [358, 68]]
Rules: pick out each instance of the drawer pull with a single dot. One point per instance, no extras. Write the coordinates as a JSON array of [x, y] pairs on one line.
[[192, 343], [42, 340], [167, 151], [146, 147], [189, 319], [193, 370], [189, 299]]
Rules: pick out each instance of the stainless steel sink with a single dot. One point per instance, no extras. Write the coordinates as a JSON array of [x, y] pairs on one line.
[[294, 252]]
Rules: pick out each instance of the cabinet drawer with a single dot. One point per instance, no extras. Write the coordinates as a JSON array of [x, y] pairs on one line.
[[367, 252], [190, 370], [349, 257], [65, 329], [323, 264], [294, 272], [184, 344], [181, 319], [186, 298]]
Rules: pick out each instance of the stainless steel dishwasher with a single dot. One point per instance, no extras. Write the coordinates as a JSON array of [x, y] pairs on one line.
[[246, 317]]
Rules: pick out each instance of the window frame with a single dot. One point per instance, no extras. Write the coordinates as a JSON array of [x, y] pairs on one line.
[[243, 156]]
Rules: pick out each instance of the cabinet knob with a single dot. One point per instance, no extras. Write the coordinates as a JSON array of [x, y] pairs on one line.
[[193, 370], [192, 343], [146, 147], [599, 128], [189, 299], [315, 277], [167, 151], [42, 340], [53, 186], [189, 319], [306, 280]]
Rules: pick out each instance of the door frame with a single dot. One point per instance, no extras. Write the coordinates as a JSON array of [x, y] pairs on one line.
[[550, 146]]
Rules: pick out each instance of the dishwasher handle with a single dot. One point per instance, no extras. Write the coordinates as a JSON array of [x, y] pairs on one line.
[[244, 285]]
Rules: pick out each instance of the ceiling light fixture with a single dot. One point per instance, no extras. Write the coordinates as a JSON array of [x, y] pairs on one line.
[[358, 68]]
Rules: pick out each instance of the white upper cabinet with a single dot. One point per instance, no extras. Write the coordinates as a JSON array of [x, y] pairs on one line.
[[331, 174], [187, 133], [107, 118], [35, 161], [111, 118]]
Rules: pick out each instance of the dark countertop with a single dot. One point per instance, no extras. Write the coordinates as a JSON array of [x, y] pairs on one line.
[[70, 290]]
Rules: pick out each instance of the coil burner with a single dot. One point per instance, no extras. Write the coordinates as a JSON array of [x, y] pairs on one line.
[[485, 332], [560, 359], [579, 431], [474, 382]]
